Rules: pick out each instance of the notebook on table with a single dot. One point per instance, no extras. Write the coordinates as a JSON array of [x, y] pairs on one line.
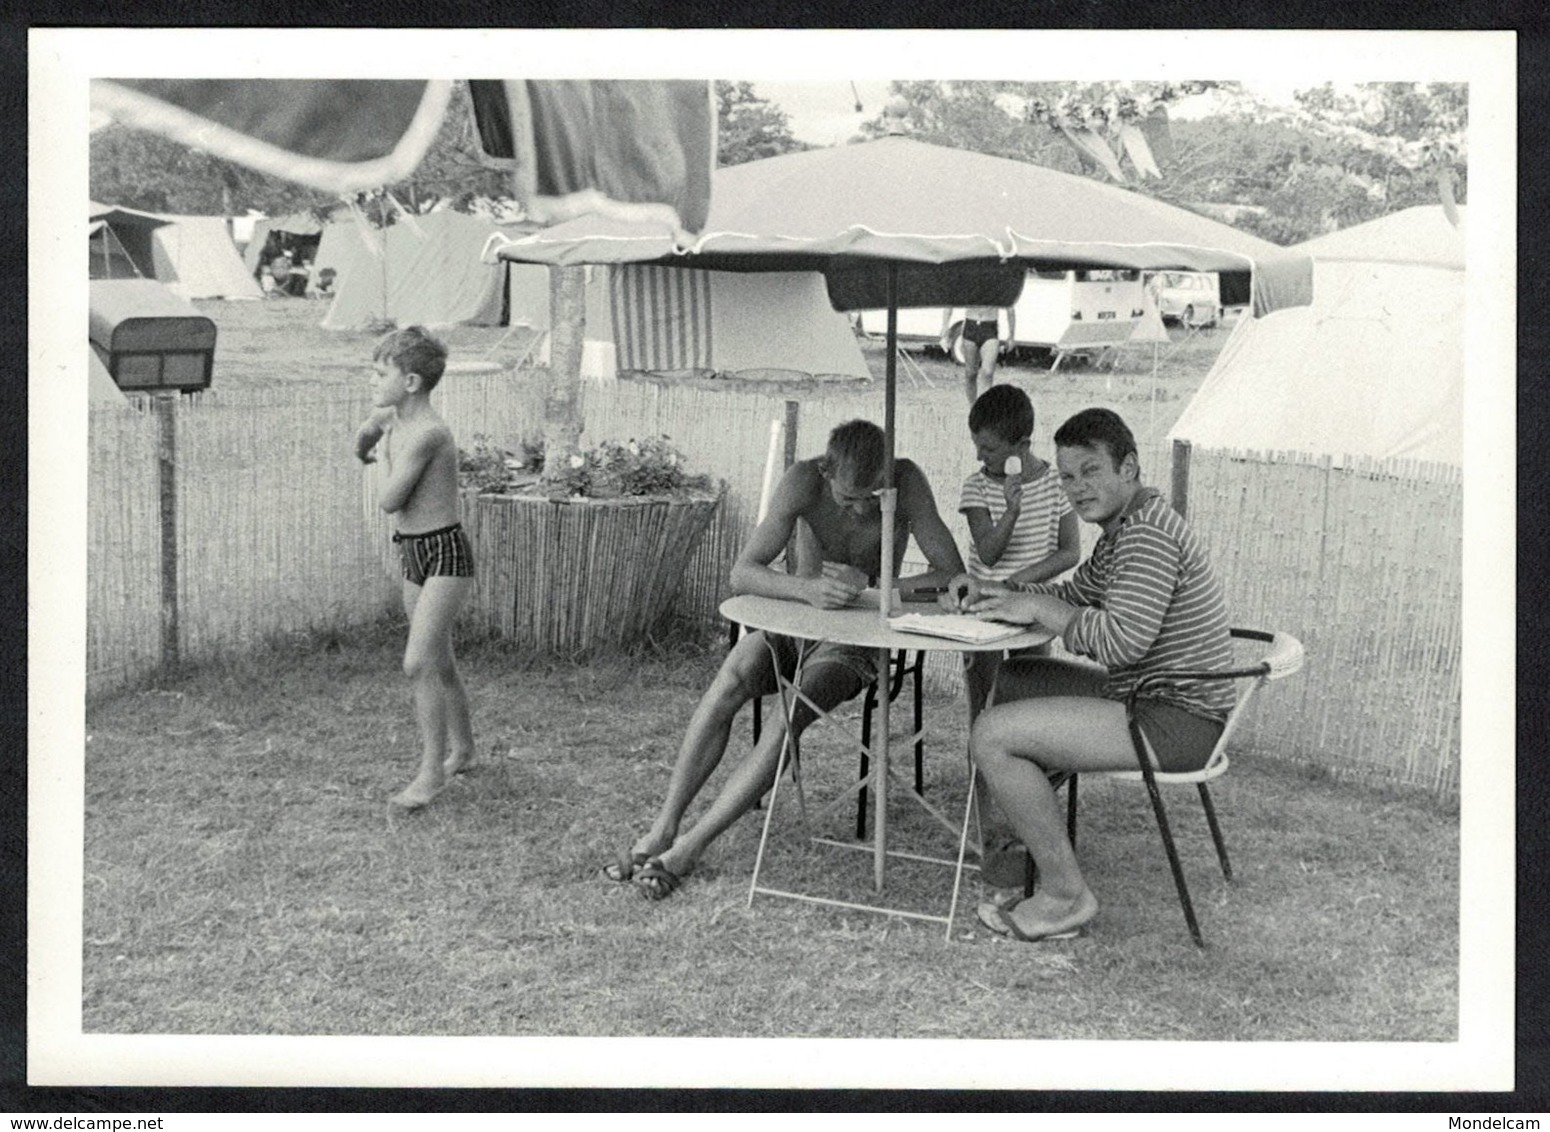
[[955, 627]]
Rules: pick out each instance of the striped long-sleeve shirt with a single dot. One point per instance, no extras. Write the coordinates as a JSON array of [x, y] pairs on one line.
[[1147, 599]]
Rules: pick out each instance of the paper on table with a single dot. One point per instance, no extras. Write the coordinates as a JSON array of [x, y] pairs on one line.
[[955, 627]]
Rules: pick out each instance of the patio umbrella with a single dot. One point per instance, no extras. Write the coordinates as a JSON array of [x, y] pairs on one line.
[[896, 223]]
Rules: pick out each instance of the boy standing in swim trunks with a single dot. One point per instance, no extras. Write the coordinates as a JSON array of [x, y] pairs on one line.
[[418, 486], [982, 345]]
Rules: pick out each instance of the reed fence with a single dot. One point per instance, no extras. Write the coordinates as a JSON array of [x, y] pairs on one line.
[[278, 531], [1362, 561], [274, 530]]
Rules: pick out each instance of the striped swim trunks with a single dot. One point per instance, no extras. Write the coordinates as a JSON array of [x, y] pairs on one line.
[[435, 554]]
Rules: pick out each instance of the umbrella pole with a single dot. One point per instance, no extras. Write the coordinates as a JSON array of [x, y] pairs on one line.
[[885, 583]]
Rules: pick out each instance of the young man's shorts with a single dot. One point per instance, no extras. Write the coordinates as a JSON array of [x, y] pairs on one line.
[[979, 332], [832, 673], [436, 554], [1180, 739]]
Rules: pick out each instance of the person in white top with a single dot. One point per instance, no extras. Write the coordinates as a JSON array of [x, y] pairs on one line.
[[1021, 529]]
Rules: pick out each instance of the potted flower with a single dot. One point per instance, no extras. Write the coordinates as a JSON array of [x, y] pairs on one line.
[[589, 553]]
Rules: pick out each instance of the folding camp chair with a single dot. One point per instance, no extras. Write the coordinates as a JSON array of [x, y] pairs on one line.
[[1282, 656]]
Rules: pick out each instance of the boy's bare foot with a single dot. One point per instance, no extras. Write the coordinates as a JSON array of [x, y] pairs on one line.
[[421, 792], [457, 763]]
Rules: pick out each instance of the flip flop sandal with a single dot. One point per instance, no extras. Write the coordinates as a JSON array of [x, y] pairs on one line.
[[999, 920], [656, 881], [622, 869]]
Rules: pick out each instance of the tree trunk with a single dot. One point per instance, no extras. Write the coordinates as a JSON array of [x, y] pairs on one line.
[[562, 398]]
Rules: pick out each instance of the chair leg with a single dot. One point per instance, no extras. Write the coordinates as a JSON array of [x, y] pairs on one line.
[[1173, 861], [1071, 810], [1216, 830], [920, 743], [866, 738]]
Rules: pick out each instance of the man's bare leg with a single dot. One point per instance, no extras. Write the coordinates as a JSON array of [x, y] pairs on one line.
[[754, 776], [1015, 745], [705, 740]]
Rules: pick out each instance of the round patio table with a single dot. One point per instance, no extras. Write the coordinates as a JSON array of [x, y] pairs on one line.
[[861, 624]]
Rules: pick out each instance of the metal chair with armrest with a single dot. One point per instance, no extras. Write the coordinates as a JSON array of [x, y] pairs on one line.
[[1282, 656]]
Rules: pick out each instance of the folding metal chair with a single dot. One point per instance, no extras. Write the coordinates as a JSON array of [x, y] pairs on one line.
[[1283, 656]]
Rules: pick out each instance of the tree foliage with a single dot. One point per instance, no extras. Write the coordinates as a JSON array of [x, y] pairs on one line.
[[1335, 159], [748, 127]]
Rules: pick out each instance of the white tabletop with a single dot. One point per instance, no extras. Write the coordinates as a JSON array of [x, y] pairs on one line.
[[858, 626]]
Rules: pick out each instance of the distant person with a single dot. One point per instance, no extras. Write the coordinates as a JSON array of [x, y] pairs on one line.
[[1021, 529], [1146, 599], [982, 345], [418, 486], [836, 497]]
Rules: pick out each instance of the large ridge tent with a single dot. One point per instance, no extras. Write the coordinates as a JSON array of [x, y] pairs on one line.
[[196, 259], [1373, 368]]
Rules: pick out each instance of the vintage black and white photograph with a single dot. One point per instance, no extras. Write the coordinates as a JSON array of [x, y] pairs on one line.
[[781, 536]]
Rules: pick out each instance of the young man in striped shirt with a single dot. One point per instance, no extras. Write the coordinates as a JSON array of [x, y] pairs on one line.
[[1146, 599]]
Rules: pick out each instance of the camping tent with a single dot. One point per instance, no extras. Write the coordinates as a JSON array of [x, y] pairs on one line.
[[428, 271], [101, 389], [196, 259], [107, 258], [424, 269], [1374, 368], [193, 256], [668, 319], [127, 231], [297, 225]]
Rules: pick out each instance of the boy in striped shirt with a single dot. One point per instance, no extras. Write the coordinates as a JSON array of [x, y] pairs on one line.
[[1146, 599], [1021, 529]]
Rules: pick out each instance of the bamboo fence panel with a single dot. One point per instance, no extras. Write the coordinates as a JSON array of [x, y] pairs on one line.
[[279, 531], [1360, 560], [123, 538], [273, 534]]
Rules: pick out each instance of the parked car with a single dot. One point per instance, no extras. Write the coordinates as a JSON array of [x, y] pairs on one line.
[[1186, 297]]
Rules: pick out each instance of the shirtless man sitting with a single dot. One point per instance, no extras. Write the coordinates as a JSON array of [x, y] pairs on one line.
[[836, 496]]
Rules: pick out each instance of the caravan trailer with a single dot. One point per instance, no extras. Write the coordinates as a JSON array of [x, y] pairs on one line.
[[1062, 312]]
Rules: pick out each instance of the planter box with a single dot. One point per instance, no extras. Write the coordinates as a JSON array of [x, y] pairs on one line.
[[567, 576]]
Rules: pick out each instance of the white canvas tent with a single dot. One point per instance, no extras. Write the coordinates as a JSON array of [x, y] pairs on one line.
[[638, 318], [423, 270], [192, 256], [195, 258], [1374, 368], [670, 319], [101, 389]]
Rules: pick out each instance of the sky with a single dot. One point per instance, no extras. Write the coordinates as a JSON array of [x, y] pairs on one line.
[[824, 113]]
